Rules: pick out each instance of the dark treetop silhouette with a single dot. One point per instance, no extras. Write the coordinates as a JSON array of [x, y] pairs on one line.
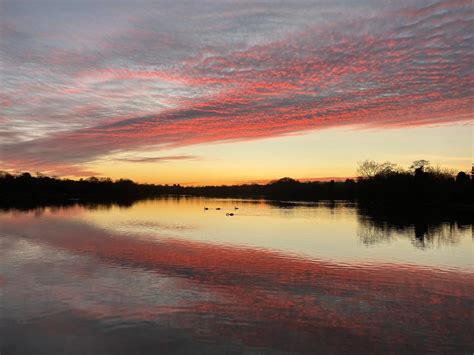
[[378, 184]]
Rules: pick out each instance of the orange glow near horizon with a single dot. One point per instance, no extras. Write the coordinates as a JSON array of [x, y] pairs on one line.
[[296, 156]]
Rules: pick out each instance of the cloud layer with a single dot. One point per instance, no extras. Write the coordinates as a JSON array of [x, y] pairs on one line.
[[87, 80]]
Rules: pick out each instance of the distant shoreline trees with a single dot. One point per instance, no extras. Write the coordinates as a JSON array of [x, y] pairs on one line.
[[378, 184]]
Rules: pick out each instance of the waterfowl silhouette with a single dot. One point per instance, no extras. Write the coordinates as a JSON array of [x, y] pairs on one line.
[[236, 208], [229, 214], [206, 208], [218, 208]]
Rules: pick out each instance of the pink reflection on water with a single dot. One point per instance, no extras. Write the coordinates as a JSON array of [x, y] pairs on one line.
[[255, 295]]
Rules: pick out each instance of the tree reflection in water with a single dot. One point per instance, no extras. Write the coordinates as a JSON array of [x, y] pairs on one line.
[[426, 229]]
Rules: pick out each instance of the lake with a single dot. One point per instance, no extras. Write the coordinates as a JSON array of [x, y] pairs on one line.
[[168, 276]]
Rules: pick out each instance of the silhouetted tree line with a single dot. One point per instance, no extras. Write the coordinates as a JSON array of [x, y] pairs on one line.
[[377, 184], [25, 189], [282, 189], [387, 184]]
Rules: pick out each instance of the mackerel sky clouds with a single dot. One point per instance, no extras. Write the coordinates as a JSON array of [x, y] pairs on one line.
[[144, 83]]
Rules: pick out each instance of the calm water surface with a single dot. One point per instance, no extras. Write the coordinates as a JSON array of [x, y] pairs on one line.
[[167, 276]]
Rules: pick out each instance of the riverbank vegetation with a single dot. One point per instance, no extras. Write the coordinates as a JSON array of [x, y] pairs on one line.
[[377, 184]]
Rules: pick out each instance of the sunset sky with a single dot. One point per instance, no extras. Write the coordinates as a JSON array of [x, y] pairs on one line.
[[201, 92]]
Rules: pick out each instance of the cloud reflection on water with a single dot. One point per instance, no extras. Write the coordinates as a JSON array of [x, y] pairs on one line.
[[63, 269]]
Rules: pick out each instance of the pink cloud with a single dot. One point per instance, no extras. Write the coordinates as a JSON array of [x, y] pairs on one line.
[[416, 72]]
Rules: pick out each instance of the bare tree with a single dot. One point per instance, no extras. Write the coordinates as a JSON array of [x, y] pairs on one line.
[[387, 168], [370, 168], [367, 168], [420, 164]]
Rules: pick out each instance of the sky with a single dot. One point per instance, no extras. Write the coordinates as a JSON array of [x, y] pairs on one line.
[[217, 92]]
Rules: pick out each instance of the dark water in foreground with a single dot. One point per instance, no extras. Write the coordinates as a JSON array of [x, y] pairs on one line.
[[166, 276]]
